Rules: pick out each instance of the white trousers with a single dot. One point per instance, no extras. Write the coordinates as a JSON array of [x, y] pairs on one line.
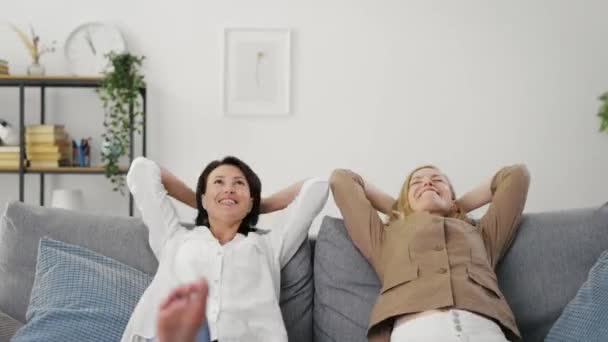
[[447, 326]]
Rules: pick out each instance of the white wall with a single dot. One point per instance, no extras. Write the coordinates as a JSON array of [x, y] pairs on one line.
[[379, 86]]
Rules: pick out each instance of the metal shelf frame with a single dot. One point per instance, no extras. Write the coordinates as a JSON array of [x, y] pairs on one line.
[[44, 82]]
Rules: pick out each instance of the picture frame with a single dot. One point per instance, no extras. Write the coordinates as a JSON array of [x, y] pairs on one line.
[[257, 71]]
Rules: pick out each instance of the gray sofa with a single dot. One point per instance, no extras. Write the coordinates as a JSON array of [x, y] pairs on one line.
[[540, 274]]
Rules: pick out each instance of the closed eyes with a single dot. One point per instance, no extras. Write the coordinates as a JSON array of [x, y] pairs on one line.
[[437, 179]]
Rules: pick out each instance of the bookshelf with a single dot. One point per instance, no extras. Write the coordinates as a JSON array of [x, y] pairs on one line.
[[43, 82]]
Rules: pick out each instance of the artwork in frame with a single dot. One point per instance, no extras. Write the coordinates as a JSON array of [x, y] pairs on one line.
[[257, 71]]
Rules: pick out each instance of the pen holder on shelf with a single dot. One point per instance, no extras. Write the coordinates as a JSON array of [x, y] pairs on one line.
[[81, 155]]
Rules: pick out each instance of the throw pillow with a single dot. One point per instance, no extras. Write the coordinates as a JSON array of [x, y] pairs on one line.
[[585, 318], [346, 286], [297, 290], [79, 295]]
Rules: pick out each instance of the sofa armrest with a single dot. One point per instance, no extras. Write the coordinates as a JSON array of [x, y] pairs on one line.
[[8, 327]]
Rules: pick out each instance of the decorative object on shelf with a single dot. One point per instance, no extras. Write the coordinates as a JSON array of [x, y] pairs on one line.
[[257, 68], [36, 49], [81, 152], [119, 92], [71, 199], [4, 69], [87, 46], [8, 135], [603, 113]]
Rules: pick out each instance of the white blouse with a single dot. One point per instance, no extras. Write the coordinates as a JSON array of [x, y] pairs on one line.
[[243, 274]]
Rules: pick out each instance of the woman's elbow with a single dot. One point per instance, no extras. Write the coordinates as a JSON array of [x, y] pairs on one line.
[[136, 169], [336, 176]]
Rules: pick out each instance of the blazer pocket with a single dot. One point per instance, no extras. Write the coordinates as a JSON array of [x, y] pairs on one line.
[[396, 277], [485, 279]]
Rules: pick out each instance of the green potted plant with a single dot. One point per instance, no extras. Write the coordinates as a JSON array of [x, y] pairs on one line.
[[603, 113], [119, 93]]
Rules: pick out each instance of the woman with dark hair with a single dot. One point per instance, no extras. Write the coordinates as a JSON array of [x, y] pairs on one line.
[[241, 265]]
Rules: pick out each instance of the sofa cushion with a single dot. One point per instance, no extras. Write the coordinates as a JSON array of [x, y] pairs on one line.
[[79, 295], [548, 262], [22, 226], [8, 327], [346, 286], [586, 316]]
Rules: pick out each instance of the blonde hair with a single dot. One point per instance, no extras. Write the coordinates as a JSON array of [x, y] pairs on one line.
[[403, 208]]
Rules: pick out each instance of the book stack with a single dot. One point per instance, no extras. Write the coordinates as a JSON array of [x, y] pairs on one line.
[[9, 157], [4, 67], [47, 146]]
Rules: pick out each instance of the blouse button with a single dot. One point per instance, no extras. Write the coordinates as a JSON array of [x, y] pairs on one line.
[[442, 270]]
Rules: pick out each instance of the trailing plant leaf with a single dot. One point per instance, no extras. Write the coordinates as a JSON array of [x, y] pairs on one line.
[[603, 113], [120, 90]]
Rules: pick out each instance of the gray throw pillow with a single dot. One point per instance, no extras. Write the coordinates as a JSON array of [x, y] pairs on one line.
[[346, 286], [8, 327], [22, 226], [297, 290]]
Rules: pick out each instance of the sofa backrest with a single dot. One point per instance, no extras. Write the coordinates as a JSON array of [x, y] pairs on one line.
[[546, 264]]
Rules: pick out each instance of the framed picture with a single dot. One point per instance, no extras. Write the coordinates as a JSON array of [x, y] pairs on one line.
[[257, 71]]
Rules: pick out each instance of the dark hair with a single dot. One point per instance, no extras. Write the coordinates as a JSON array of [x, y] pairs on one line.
[[255, 191]]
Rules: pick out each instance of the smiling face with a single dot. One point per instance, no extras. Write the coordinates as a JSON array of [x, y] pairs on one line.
[[227, 196], [429, 190]]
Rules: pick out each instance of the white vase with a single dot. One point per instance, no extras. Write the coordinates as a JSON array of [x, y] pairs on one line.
[[71, 199], [35, 69]]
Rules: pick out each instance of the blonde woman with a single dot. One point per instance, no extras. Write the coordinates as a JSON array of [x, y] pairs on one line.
[[435, 265]]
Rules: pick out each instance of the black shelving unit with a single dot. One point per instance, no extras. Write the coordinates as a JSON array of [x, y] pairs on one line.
[[22, 82]]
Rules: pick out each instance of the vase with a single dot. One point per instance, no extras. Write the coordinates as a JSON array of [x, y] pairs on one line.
[[71, 199], [35, 69]]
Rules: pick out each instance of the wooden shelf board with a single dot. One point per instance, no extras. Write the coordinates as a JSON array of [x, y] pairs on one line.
[[63, 169], [50, 81], [51, 77]]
